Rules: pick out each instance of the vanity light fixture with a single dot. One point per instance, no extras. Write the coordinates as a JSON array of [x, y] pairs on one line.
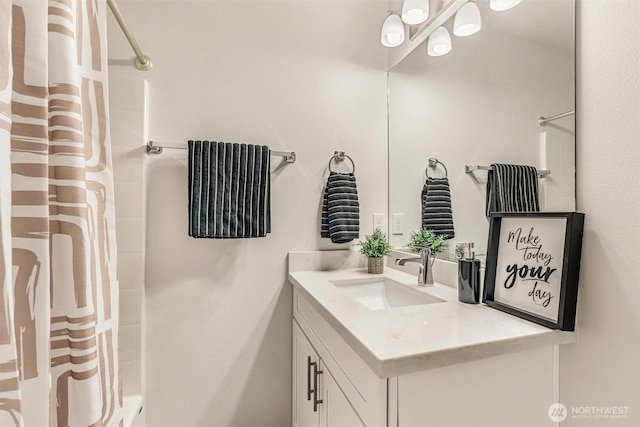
[[500, 5], [415, 11], [467, 20], [439, 42], [392, 34]]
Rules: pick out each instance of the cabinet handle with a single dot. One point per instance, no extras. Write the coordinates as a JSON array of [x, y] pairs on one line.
[[316, 373], [309, 364]]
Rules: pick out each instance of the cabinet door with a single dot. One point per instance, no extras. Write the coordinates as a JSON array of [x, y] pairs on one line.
[[337, 411], [304, 356]]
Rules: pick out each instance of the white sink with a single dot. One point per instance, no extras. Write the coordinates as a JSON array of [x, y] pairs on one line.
[[380, 293]]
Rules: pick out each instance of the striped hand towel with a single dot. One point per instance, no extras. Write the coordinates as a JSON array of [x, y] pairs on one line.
[[512, 188], [340, 208], [436, 207], [229, 190]]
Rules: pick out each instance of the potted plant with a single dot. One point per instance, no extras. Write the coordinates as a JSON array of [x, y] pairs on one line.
[[375, 247], [427, 239], [426, 243]]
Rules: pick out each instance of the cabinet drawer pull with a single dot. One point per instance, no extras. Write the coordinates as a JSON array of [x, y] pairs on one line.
[[309, 364], [316, 374]]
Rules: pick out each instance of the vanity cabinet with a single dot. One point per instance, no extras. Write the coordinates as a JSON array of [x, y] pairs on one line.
[[339, 411], [352, 395], [317, 398], [506, 390], [503, 389], [306, 373]]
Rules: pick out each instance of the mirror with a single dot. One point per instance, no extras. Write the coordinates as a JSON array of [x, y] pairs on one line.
[[478, 105]]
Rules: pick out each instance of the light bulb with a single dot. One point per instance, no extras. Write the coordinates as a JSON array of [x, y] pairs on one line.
[[415, 11], [392, 34], [439, 42], [441, 49], [394, 39], [467, 20]]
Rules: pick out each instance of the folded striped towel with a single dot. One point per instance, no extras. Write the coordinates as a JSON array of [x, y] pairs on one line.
[[512, 188], [436, 207], [229, 190], [340, 208]]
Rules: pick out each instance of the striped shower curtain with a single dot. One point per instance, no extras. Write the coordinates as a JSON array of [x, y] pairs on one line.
[[58, 290]]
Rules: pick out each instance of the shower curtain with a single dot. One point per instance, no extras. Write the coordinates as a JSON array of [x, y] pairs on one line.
[[58, 290]]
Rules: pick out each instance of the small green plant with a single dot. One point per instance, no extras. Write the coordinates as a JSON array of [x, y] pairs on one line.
[[375, 245], [426, 238]]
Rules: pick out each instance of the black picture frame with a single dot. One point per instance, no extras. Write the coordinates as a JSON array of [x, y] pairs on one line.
[[534, 276]]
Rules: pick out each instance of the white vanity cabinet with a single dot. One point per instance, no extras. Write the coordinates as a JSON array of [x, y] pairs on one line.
[[351, 394], [305, 381], [339, 411], [444, 364], [509, 390], [317, 398]]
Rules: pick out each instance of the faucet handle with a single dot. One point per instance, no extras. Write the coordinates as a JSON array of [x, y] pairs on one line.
[[421, 247], [421, 275], [425, 251]]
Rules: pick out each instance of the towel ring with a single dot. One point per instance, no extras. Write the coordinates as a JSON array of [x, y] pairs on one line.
[[433, 163], [339, 156]]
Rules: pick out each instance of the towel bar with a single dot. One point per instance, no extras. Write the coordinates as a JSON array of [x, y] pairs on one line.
[[471, 168], [152, 148], [542, 121]]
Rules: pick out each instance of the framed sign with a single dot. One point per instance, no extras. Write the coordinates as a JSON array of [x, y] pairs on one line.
[[533, 264]]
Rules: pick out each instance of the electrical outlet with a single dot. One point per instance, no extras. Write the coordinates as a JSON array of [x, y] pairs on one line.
[[378, 221], [396, 224]]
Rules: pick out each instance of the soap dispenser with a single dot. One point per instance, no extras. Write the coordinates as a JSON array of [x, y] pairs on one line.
[[468, 275]]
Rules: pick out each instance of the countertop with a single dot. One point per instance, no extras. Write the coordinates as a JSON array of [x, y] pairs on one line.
[[403, 340]]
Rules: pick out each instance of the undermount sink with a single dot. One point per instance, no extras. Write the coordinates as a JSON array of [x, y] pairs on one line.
[[381, 293]]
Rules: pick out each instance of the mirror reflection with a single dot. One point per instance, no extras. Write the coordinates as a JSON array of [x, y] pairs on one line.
[[457, 114]]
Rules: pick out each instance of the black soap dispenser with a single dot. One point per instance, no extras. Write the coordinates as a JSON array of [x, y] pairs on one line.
[[468, 275]]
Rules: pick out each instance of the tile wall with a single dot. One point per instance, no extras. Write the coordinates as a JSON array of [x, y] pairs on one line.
[[128, 124]]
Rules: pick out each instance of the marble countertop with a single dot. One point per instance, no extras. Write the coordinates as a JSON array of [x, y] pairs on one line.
[[403, 340]]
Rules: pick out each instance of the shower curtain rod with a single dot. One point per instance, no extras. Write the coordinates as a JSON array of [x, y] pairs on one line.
[[152, 148], [544, 120], [143, 62]]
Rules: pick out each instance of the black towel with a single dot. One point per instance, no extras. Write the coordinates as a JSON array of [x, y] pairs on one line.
[[512, 188], [229, 190], [436, 207], [340, 208]]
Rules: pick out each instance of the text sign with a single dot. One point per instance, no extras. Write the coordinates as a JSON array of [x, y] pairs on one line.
[[529, 265]]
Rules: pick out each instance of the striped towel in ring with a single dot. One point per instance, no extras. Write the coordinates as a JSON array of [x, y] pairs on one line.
[[340, 208], [512, 188], [229, 190], [436, 207]]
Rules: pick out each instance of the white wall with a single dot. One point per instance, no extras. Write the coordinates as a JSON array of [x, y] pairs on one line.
[[602, 368], [219, 312]]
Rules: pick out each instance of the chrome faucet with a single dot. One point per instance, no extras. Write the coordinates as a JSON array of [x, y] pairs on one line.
[[425, 276]]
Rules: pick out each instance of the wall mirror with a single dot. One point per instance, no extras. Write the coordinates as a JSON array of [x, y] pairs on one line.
[[478, 105]]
